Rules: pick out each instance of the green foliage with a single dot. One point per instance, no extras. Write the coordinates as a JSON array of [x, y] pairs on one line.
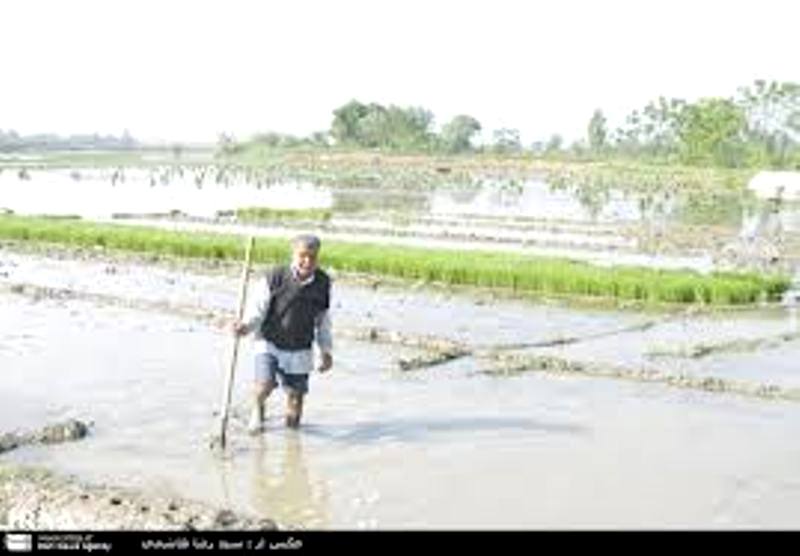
[[457, 134], [773, 121], [274, 139], [506, 140], [711, 130], [227, 144], [597, 131], [395, 128], [377, 126], [346, 120], [554, 144], [758, 127], [263, 214]]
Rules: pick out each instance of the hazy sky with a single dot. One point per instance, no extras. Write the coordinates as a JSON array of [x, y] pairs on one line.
[[181, 70]]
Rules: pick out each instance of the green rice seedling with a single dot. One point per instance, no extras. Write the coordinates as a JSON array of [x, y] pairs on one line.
[[264, 214], [515, 272]]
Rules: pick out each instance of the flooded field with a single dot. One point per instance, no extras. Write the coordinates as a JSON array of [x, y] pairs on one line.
[[135, 347], [603, 223], [445, 409]]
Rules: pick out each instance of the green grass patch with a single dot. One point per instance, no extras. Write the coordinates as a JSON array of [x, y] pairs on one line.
[[508, 271], [263, 214]]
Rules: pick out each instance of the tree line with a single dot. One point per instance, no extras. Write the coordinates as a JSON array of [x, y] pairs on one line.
[[758, 126], [11, 141]]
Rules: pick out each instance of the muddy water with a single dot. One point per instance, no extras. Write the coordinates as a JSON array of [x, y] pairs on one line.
[[445, 447], [760, 346], [98, 194]]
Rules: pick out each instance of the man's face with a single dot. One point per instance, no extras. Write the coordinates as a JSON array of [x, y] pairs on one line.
[[304, 260]]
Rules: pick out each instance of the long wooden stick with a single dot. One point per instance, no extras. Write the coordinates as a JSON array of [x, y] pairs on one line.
[[226, 399]]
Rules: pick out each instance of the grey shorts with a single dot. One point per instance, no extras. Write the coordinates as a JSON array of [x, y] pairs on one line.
[[267, 370]]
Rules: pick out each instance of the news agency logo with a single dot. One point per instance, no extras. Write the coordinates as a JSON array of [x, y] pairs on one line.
[[18, 542]]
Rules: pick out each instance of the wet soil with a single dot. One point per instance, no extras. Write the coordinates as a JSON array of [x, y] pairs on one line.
[[445, 409]]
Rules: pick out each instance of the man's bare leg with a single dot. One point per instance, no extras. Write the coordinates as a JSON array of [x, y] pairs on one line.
[[260, 394], [294, 410]]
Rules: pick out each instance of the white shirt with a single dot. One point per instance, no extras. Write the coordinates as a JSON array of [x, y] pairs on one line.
[[292, 362]]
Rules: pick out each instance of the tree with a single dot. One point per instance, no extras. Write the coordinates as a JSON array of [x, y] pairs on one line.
[[597, 131], [773, 125], [507, 140], [538, 147], [554, 143], [226, 144], [319, 138], [712, 129], [652, 130], [376, 126], [794, 122], [372, 130], [457, 134], [346, 120]]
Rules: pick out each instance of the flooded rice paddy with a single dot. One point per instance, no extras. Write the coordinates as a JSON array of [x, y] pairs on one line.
[[455, 410], [135, 347], [601, 223]]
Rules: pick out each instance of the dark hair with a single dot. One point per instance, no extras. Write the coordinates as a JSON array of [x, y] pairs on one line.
[[309, 241]]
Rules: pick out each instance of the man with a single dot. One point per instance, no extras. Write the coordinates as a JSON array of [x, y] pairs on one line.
[[288, 314]]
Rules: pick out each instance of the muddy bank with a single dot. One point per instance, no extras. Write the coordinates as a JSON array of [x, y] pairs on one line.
[[35, 499], [51, 434]]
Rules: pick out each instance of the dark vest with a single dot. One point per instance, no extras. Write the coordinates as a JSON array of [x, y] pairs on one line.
[[289, 323]]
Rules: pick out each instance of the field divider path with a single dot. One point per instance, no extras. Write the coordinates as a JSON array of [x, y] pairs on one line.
[[700, 350]]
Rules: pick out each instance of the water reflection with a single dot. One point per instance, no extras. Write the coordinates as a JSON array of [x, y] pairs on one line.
[[282, 486], [715, 209], [537, 199], [207, 191], [100, 194]]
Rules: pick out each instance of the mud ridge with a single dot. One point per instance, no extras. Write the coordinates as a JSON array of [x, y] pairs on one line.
[[51, 434], [739, 345], [34, 499], [514, 364]]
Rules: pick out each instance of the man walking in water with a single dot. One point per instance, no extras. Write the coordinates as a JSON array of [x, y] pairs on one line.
[[288, 314]]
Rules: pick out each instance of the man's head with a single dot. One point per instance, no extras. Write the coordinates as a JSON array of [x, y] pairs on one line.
[[305, 249]]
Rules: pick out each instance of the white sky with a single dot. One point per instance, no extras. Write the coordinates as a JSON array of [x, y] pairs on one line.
[[183, 70]]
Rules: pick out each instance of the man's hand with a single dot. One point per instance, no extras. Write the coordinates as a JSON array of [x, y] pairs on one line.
[[326, 363], [237, 328]]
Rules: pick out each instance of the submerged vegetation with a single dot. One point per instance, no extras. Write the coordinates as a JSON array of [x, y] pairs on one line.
[[265, 214], [518, 273]]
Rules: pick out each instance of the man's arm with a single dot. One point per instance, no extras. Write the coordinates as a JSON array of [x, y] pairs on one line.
[[256, 310], [324, 340]]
